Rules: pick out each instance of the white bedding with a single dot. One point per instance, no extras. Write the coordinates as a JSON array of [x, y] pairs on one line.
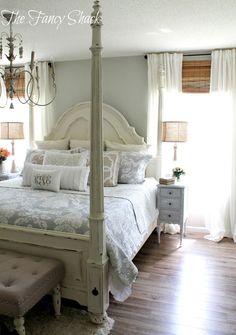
[[129, 210]]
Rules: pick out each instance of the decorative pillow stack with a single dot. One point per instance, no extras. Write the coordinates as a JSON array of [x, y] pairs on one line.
[[123, 163]]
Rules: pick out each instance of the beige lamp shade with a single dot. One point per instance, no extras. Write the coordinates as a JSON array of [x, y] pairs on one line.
[[174, 131], [12, 130]]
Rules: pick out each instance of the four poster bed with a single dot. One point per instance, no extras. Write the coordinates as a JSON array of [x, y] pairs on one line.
[[96, 259]]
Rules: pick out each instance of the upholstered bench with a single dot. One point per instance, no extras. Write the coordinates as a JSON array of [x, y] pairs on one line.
[[24, 280]]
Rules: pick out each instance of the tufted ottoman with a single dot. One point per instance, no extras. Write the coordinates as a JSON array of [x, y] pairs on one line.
[[24, 280]]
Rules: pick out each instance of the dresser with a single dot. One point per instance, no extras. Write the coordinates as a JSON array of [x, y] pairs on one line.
[[171, 203]]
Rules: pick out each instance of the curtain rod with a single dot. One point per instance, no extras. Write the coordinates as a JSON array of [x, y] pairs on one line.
[[194, 55], [191, 54]]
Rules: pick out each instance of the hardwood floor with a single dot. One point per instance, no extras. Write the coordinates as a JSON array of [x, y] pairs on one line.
[[181, 291]]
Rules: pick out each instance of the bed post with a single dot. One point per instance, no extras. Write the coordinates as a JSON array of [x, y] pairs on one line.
[[97, 266]]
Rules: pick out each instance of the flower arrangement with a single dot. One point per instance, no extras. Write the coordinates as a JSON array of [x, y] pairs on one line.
[[4, 153], [177, 172]]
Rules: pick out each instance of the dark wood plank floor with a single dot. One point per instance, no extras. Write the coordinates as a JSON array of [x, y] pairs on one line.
[[181, 291]]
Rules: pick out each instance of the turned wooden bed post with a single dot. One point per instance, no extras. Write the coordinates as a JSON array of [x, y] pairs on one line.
[[98, 261]]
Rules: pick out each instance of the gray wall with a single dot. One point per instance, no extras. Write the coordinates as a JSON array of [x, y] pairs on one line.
[[124, 87]]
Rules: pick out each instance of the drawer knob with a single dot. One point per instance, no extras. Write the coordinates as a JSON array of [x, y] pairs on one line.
[[170, 193], [169, 215], [169, 203]]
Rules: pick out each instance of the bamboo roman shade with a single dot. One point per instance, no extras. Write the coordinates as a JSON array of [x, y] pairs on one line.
[[196, 76], [19, 84]]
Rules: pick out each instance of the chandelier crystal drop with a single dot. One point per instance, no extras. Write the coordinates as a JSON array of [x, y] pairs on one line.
[[11, 75]]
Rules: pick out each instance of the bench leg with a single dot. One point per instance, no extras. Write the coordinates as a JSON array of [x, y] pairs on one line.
[[57, 300], [19, 325]]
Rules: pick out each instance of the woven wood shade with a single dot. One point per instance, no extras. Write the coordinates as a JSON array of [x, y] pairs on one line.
[[196, 76], [174, 131], [19, 83], [11, 130]]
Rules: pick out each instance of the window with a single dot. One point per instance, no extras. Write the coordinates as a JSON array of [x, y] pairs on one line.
[[196, 76]]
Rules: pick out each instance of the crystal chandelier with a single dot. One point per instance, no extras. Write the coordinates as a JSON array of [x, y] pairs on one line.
[[10, 75]]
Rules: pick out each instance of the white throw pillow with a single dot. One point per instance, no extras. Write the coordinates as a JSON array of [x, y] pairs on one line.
[[109, 145], [72, 177], [56, 158], [79, 143], [46, 180], [53, 144], [132, 167]]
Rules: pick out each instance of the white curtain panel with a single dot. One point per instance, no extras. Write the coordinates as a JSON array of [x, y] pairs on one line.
[[164, 73], [41, 117], [222, 218]]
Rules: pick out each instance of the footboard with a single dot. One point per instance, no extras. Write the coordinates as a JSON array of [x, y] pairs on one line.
[[71, 249]]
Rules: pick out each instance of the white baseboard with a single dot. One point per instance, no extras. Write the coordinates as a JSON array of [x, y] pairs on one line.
[[193, 229]]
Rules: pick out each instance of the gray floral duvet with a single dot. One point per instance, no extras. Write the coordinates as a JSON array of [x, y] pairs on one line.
[[129, 209]]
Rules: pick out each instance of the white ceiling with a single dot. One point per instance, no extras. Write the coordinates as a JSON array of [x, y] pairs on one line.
[[131, 27]]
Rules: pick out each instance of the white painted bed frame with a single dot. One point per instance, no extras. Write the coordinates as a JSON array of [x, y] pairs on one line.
[[85, 258]]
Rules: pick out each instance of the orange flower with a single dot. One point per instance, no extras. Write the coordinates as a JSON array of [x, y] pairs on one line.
[[4, 153]]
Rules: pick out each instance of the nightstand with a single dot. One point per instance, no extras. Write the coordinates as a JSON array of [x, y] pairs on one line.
[[6, 176], [171, 203]]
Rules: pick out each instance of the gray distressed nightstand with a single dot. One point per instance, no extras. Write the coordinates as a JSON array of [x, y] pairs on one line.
[[171, 203], [6, 176]]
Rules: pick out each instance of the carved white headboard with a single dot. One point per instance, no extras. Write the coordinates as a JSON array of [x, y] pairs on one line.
[[75, 123]]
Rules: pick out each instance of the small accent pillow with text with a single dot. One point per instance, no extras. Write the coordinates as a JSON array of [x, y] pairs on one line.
[[46, 180], [132, 167]]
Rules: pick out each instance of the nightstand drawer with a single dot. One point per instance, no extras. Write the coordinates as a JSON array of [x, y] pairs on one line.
[[170, 204], [170, 192], [169, 216]]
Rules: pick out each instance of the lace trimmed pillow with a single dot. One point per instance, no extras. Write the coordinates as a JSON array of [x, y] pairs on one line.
[[132, 167], [56, 158], [46, 180]]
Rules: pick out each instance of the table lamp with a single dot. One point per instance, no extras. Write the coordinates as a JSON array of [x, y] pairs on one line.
[[174, 131], [12, 131]]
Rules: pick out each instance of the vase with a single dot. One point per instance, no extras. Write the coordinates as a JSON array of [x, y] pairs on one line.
[[2, 167]]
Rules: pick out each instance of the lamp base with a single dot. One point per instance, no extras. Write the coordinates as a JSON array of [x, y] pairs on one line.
[[13, 167], [175, 152]]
